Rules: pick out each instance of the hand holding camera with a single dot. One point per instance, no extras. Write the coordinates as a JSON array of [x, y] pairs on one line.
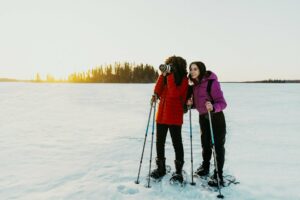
[[166, 68]]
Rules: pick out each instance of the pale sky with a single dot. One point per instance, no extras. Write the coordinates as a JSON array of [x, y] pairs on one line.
[[239, 40]]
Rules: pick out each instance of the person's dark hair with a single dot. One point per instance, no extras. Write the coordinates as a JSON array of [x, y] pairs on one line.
[[180, 66], [202, 68]]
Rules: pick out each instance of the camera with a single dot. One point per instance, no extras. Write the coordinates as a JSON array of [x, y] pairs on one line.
[[166, 68]]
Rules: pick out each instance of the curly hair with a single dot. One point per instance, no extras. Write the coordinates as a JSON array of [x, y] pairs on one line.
[[179, 64]]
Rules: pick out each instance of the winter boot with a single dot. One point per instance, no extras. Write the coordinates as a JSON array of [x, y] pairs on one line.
[[214, 180], [203, 170], [160, 171], [177, 176]]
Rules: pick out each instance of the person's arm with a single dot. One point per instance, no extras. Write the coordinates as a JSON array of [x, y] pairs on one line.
[[173, 89], [189, 97], [217, 95], [159, 86], [186, 93], [178, 91], [184, 88]]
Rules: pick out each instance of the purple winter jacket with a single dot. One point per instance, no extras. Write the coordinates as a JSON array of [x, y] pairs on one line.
[[201, 96]]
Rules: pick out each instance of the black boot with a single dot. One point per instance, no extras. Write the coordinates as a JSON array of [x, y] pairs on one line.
[[214, 180], [160, 171], [177, 176], [203, 170]]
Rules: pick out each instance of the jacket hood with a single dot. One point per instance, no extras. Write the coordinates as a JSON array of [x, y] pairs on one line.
[[210, 76]]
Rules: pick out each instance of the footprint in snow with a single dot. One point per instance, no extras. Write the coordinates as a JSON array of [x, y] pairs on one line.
[[125, 190]]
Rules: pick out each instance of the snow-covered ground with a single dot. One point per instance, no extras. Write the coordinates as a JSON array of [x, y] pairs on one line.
[[84, 141]]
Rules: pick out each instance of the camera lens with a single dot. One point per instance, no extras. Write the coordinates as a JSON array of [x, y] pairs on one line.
[[163, 67]]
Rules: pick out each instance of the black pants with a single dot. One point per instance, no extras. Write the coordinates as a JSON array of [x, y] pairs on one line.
[[161, 134], [219, 130]]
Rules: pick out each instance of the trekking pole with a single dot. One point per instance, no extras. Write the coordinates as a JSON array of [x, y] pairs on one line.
[[191, 139], [138, 177], [153, 124], [215, 156]]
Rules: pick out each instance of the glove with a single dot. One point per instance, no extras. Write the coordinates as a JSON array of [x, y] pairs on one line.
[[153, 99]]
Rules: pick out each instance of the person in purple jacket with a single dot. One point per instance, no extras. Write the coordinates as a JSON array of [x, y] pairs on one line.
[[208, 96]]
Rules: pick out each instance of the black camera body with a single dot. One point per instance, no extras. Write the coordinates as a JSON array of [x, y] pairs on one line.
[[166, 68]]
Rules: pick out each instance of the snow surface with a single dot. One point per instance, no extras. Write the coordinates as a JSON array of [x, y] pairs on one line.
[[84, 141]]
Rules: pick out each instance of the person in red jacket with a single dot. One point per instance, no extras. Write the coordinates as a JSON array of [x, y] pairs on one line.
[[171, 90]]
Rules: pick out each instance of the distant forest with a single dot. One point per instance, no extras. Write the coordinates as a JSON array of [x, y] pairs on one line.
[[274, 81], [116, 73]]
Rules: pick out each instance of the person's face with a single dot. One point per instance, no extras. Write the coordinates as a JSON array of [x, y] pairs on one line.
[[194, 71]]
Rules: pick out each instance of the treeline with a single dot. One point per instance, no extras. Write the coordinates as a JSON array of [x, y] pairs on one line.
[[113, 73], [8, 80], [275, 81]]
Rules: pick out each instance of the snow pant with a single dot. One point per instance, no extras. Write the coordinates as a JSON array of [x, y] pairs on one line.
[[161, 134], [219, 130]]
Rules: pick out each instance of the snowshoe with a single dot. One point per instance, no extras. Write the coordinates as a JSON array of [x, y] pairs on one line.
[[177, 177], [203, 170], [213, 182]]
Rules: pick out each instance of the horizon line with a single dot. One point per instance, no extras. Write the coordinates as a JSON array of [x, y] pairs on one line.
[[269, 80]]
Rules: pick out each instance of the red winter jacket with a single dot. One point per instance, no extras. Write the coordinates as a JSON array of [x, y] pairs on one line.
[[172, 98]]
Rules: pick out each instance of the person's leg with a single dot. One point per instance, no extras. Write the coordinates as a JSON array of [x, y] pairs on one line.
[[175, 132], [205, 140], [161, 134], [219, 128], [203, 170]]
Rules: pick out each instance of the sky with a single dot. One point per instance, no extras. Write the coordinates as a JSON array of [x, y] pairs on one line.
[[237, 39]]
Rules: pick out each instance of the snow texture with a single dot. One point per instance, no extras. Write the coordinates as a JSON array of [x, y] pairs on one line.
[[84, 141]]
